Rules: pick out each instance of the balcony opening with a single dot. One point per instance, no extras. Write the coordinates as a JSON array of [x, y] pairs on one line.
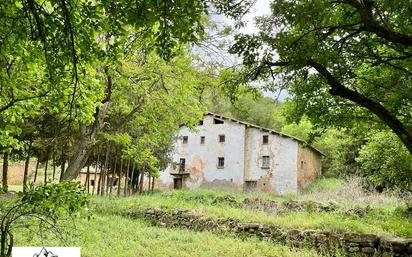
[[220, 162], [265, 139], [182, 165], [217, 121]]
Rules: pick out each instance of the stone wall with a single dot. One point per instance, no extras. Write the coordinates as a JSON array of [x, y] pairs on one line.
[[308, 166], [351, 244]]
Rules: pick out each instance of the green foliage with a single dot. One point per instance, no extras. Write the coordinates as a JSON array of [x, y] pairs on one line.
[[45, 207], [152, 99], [385, 162], [52, 52], [259, 110], [336, 59], [300, 130], [55, 199]]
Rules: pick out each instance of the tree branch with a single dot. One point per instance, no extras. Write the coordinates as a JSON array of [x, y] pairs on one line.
[[365, 10], [379, 110]]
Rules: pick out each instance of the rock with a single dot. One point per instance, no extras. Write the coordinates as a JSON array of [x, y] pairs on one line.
[[396, 244], [368, 250], [360, 238]]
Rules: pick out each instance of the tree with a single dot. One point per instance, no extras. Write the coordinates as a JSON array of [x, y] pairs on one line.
[[342, 61], [385, 162], [53, 53], [149, 99]]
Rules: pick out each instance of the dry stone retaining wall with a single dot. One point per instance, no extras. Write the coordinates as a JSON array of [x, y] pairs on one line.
[[352, 244]]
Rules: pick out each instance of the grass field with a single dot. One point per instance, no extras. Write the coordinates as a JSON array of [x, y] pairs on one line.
[[111, 233], [388, 220]]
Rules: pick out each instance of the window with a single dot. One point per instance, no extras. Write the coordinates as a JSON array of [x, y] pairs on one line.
[[202, 140], [222, 138], [265, 161], [200, 122], [217, 121], [265, 139], [182, 165], [221, 162], [92, 182], [185, 139], [250, 185]]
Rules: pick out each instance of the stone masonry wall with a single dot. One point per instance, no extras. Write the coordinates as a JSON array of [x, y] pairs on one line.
[[351, 244]]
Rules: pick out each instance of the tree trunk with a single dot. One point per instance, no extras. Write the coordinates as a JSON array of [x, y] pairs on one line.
[[45, 168], [141, 182], [26, 166], [131, 181], [119, 176], [149, 183], [113, 172], [108, 171], [104, 171], [5, 170], [86, 183], [153, 182], [100, 180], [95, 173], [88, 134], [36, 170], [125, 178], [62, 169], [54, 166]]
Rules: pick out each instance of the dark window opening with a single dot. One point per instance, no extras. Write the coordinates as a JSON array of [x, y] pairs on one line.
[[185, 139], [265, 139], [250, 185], [265, 161], [221, 162], [177, 183], [222, 138], [202, 140], [217, 121], [200, 122], [182, 165], [92, 182]]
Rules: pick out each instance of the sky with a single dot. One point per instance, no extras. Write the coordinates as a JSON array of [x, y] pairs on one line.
[[260, 8]]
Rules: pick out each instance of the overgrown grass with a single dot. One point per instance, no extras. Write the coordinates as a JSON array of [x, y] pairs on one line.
[[111, 235], [386, 220], [325, 184], [349, 192]]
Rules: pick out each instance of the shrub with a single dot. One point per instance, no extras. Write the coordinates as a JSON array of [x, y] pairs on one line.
[[385, 162], [44, 206]]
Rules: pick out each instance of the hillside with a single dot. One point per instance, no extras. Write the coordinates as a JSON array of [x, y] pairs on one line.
[[189, 223]]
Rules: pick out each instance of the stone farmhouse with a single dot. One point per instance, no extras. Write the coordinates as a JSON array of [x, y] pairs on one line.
[[227, 153]]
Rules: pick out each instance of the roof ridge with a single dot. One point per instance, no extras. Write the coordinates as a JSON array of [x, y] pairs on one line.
[[263, 128]]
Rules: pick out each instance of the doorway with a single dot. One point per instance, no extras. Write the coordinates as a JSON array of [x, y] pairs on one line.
[[178, 183]]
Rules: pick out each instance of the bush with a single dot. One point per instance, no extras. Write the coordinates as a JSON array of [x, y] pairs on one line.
[[385, 162], [44, 206]]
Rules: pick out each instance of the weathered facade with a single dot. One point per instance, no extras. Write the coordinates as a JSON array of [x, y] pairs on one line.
[[228, 153]]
